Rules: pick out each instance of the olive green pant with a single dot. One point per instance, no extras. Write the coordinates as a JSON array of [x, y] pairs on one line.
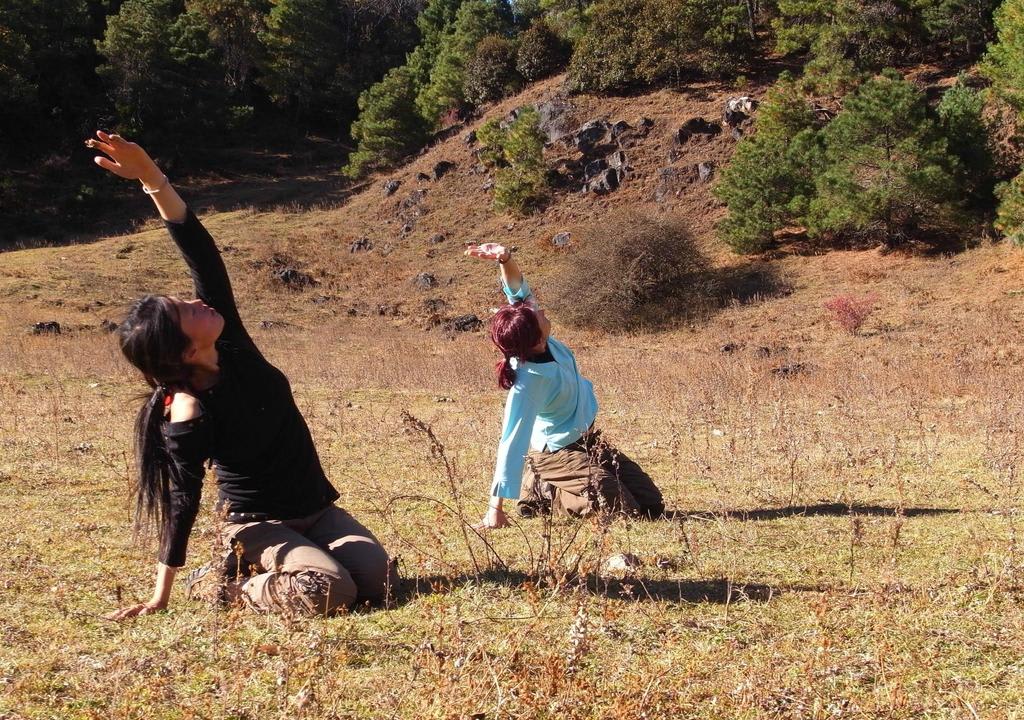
[[314, 565], [590, 475]]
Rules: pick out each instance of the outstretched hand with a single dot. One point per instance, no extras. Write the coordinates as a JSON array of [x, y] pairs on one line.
[[489, 251], [125, 159]]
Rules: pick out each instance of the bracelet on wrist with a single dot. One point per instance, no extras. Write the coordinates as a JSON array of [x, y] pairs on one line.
[[153, 191]]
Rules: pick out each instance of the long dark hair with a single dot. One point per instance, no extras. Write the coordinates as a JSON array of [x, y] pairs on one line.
[[152, 339], [515, 330]]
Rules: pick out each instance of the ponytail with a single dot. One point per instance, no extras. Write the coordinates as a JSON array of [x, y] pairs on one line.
[[515, 331], [153, 482], [152, 340], [506, 373]]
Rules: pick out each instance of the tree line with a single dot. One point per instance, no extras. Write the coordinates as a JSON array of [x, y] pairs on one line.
[[386, 75]]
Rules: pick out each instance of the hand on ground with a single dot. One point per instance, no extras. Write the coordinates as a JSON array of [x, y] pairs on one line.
[[489, 251], [495, 519], [133, 610], [126, 159]]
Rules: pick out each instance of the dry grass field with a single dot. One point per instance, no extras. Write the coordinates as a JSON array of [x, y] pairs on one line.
[[845, 541]]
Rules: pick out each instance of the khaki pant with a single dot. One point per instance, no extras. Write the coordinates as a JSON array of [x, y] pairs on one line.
[[587, 476], [313, 565]]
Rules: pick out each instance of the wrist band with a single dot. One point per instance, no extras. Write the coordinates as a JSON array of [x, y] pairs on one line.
[[154, 191]]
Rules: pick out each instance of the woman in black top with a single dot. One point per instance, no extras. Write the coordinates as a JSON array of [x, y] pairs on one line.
[[216, 398]]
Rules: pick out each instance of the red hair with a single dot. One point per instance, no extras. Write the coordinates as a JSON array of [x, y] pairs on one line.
[[515, 330]]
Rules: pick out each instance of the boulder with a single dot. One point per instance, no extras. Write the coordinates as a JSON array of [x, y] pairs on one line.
[[590, 135], [435, 305], [108, 326], [697, 128], [294, 278], [594, 168], [425, 281], [619, 128], [466, 323], [607, 181], [49, 327], [705, 171], [617, 160], [554, 118], [360, 245], [437, 239], [412, 199], [422, 177], [390, 187], [470, 137], [622, 562], [561, 239], [738, 109], [673, 180], [442, 168]]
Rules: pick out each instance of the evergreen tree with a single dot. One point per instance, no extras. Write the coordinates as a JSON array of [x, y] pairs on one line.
[[1010, 214], [47, 68], [303, 54], [845, 38], [491, 72], [388, 128], [517, 153], [474, 20], [889, 171], [19, 108], [769, 181], [961, 28], [629, 42], [161, 69], [961, 118], [1004, 62], [235, 27]]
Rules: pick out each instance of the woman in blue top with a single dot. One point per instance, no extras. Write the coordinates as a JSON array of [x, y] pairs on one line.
[[550, 458]]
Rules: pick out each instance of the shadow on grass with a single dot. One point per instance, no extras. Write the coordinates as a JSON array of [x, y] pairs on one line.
[[715, 590], [820, 509]]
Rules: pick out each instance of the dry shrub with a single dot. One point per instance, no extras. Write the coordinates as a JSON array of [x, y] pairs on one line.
[[631, 270], [850, 311]]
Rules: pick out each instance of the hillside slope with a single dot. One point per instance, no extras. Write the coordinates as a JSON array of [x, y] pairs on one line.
[[919, 297]]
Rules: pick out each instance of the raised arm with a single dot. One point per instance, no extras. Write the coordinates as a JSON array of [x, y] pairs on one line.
[[209, 276], [512, 281]]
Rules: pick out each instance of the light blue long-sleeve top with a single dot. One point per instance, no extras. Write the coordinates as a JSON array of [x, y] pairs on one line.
[[550, 406]]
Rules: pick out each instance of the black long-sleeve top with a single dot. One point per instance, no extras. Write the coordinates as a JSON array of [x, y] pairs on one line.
[[263, 454]]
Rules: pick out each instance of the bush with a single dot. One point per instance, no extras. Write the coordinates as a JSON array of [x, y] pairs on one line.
[[889, 171], [541, 52], [850, 311], [1010, 214], [770, 180], [631, 270], [517, 153], [491, 72]]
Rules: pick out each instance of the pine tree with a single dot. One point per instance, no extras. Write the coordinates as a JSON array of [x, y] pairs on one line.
[[235, 27], [517, 154], [161, 69], [961, 118], [1010, 214], [474, 20], [303, 54], [769, 181], [844, 38], [889, 171], [388, 128], [1004, 62]]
